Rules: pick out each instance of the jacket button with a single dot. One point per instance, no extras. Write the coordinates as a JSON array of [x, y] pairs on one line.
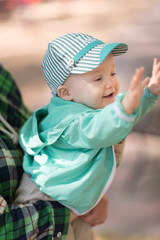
[[59, 235]]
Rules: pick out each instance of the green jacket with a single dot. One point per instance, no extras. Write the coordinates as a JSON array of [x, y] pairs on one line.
[[70, 148]]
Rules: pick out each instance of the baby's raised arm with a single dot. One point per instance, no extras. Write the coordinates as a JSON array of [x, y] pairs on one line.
[[132, 98]]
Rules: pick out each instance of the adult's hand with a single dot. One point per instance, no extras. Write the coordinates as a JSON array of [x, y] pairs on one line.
[[98, 214]]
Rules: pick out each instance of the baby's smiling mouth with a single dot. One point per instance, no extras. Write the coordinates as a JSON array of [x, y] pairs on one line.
[[109, 95]]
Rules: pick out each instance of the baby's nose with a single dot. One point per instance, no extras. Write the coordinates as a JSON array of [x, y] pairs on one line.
[[109, 83]]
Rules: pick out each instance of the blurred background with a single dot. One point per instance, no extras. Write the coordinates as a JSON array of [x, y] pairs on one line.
[[26, 27]]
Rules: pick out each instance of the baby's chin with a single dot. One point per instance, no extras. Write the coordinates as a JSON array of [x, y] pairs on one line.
[[108, 101]]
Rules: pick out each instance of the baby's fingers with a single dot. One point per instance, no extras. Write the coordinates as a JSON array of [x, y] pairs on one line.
[[145, 82], [137, 78], [156, 66]]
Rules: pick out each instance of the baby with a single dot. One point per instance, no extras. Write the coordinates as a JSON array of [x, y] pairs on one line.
[[70, 144]]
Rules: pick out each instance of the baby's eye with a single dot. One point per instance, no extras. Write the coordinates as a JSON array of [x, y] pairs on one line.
[[113, 74], [98, 79]]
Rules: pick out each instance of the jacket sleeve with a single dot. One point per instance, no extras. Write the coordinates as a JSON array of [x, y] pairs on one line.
[[105, 127], [41, 220], [148, 101]]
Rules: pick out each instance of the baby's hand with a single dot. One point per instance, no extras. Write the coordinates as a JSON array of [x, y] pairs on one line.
[[132, 98], [154, 84]]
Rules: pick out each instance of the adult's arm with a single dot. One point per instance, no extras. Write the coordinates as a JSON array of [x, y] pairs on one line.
[[43, 220]]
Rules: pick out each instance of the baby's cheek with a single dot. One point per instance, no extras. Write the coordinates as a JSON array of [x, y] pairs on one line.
[[117, 87]]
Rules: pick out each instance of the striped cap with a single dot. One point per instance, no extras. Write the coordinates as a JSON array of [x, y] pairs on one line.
[[75, 53]]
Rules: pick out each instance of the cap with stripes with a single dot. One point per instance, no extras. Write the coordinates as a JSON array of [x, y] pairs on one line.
[[75, 53]]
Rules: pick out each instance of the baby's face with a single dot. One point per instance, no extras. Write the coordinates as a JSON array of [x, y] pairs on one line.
[[97, 88]]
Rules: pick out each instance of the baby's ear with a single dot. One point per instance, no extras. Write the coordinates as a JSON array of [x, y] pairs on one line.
[[64, 93]]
